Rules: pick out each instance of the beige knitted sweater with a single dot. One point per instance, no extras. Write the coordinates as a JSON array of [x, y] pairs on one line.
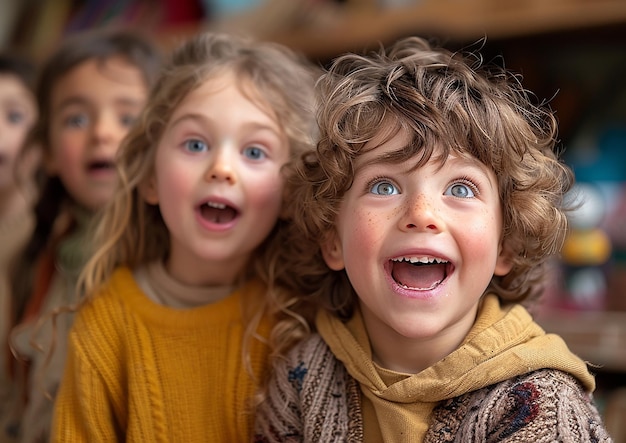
[[510, 382]]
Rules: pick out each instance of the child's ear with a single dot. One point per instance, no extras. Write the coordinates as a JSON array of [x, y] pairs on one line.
[[332, 252], [148, 190], [504, 262]]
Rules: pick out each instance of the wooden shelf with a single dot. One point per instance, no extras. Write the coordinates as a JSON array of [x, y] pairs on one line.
[[598, 337], [461, 20]]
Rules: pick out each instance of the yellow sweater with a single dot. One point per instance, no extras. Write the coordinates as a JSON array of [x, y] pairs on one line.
[[142, 372]]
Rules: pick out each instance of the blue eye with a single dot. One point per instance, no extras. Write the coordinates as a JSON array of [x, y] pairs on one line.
[[77, 121], [254, 153], [384, 187], [127, 120], [195, 145], [15, 117], [460, 190]]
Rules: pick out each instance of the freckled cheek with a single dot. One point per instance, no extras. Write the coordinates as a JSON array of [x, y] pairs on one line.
[[396, 212], [362, 234]]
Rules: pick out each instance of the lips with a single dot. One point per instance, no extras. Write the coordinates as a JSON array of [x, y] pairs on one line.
[[101, 166], [419, 273], [218, 213]]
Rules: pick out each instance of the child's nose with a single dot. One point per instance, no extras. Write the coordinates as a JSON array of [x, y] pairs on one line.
[[105, 128], [421, 214], [221, 168]]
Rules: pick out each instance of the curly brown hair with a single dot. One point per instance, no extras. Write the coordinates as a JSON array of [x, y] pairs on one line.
[[448, 102]]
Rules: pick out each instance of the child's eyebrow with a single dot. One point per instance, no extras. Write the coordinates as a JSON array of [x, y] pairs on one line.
[[188, 117], [369, 158], [126, 101], [472, 163], [79, 100], [205, 120], [17, 102], [72, 101], [467, 161]]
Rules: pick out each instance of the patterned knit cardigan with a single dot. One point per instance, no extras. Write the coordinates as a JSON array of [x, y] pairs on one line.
[[312, 398]]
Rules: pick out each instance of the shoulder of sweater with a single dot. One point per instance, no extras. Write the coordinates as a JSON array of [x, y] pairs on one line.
[[306, 388], [301, 354], [550, 378], [309, 351], [541, 405], [108, 301], [547, 382], [541, 385], [308, 365]]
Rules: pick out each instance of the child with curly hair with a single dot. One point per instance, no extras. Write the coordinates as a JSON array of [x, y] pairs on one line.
[[422, 225]]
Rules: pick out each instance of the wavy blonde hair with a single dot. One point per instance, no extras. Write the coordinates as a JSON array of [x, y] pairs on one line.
[[131, 232], [447, 101]]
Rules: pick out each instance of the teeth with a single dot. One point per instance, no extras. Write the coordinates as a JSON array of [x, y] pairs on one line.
[[216, 205], [430, 260]]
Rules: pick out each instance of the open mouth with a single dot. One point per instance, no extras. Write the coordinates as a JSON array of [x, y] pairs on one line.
[[101, 166], [218, 212], [419, 273]]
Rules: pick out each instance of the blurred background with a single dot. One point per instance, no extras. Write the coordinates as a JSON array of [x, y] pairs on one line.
[[571, 53]]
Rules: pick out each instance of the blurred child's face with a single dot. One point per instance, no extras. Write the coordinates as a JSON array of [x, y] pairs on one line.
[[217, 181], [420, 248], [17, 115], [92, 108]]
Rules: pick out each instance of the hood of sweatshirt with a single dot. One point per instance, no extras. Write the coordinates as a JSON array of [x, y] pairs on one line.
[[503, 343]]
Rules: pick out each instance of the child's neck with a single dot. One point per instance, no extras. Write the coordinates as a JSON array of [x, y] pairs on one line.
[[164, 289], [191, 270]]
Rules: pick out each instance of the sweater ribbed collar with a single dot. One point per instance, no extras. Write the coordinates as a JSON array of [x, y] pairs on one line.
[[163, 289]]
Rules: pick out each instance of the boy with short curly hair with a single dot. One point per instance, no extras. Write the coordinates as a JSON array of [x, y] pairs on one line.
[[424, 220]]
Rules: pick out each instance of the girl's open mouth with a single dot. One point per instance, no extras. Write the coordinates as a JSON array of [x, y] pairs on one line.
[[101, 166], [218, 212]]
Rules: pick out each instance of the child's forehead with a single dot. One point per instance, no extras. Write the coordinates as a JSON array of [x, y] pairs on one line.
[[13, 87], [387, 138], [386, 146], [99, 81], [225, 77], [395, 145], [222, 97], [115, 69]]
